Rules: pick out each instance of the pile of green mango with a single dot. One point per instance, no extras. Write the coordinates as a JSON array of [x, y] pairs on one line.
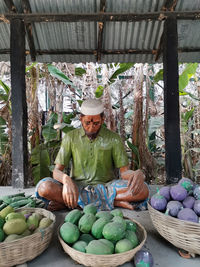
[[100, 233], [15, 225]]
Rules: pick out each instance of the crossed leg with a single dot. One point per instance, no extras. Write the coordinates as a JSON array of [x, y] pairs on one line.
[[124, 196], [53, 192]]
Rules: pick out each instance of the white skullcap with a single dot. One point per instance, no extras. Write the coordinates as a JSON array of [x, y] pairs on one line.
[[92, 107]]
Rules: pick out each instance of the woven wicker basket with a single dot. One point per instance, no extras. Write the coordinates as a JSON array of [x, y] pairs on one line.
[[27, 248], [182, 234], [105, 260]]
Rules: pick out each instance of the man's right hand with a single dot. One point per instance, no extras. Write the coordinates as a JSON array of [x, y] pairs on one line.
[[70, 192]]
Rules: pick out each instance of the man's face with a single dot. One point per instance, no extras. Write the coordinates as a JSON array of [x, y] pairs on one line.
[[91, 123]]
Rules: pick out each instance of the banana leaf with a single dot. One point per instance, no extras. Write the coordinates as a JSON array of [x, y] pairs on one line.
[[3, 136], [40, 158], [48, 132]]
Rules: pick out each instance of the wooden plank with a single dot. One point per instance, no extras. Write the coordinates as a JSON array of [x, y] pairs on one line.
[[68, 17], [171, 102], [19, 106]]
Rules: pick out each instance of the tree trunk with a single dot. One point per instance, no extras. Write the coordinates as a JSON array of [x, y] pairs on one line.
[[147, 163]]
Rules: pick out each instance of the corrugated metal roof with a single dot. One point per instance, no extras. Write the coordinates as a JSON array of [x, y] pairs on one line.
[[123, 35]]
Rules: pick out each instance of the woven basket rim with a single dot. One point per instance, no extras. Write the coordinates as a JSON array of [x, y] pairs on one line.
[[110, 255], [171, 218]]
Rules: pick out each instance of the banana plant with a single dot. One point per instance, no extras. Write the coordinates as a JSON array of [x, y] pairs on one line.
[[122, 68], [43, 155], [184, 79]]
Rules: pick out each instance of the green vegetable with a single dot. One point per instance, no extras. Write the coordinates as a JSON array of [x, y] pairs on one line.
[[131, 236], [114, 231], [13, 195], [2, 221], [12, 237], [130, 225], [2, 235], [98, 247], [117, 212], [44, 223], [109, 244], [106, 214], [90, 208], [80, 246], [32, 222], [85, 223], [120, 220], [15, 226], [123, 246], [86, 237], [69, 232], [97, 227], [4, 212], [20, 203], [14, 215], [2, 206], [73, 216]]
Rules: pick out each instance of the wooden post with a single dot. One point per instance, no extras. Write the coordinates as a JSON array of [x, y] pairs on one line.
[[19, 106], [171, 102]]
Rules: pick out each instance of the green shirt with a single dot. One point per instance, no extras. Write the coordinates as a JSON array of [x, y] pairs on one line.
[[93, 161]]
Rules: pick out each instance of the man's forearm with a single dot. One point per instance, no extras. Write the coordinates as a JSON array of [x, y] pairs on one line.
[[60, 176]]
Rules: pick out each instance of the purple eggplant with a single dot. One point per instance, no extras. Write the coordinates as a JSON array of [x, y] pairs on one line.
[[165, 192], [188, 202], [196, 207], [173, 208], [196, 192], [158, 202], [178, 192], [187, 183], [188, 215]]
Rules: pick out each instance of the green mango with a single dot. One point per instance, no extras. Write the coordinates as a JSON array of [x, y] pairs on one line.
[[15, 226], [45, 222], [33, 222], [14, 215]]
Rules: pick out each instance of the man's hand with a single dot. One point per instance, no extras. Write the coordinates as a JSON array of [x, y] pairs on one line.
[[135, 179], [70, 193]]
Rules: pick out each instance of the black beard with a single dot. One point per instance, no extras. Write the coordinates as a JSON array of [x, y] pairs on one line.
[[92, 136]]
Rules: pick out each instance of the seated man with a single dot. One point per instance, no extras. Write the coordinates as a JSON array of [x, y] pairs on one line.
[[94, 152]]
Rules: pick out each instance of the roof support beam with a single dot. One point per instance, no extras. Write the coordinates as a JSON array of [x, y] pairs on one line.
[[26, 7], [171, 102], [27, 10], [19, 106], [128, 17], [104, 52], [169, 5], [100, 33]]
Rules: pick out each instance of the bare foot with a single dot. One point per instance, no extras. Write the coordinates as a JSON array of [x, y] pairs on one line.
[[53, 206], [123, 204]]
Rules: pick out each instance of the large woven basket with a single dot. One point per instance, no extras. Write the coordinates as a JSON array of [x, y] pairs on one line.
[[105, 260], [27, 248], [182, 234]]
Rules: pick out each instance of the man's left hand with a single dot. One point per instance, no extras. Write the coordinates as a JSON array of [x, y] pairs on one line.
[[136, 181]]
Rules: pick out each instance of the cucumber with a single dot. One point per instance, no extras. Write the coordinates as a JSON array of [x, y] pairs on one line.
[[20, 203], [13, 195]]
